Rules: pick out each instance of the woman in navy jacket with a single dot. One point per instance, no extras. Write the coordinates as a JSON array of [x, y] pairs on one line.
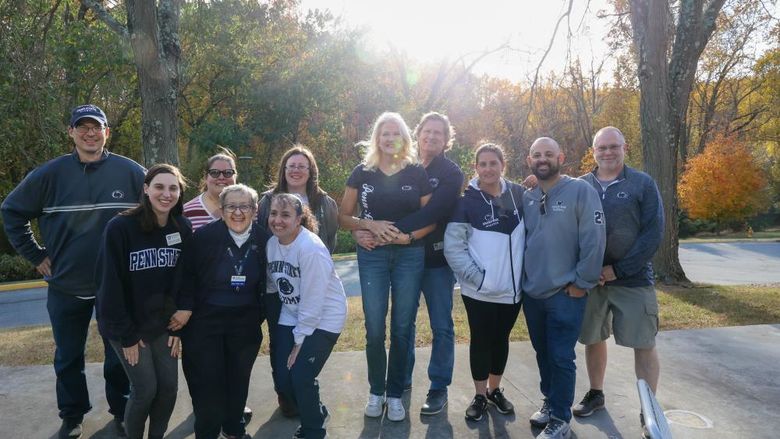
[[484, 244], [220, 302], [138, 273]]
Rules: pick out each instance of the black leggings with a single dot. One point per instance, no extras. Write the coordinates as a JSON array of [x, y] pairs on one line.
[[490, 325]]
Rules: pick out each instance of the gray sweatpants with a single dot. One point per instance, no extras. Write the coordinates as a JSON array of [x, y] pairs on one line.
[[153, 387]]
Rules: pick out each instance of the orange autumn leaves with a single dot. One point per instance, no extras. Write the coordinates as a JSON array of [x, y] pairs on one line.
[[725, 183]]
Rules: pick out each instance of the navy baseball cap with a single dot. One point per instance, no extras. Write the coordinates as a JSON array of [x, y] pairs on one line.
[[90, 111]]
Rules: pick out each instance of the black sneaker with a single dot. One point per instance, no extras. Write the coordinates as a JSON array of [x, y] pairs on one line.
[[289, 409], [496, 397], [593, 400], [477, 408], [247, 415], [70, 429], [435, 402], [326, 417], [119, 425], [555, 429], [542, 416]]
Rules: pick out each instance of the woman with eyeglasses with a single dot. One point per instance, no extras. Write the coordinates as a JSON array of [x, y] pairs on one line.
[[298, 175], [301, 273], [388, 185], [220, 303], [220, 173], [484, 244], [203, 209], [138, 273]]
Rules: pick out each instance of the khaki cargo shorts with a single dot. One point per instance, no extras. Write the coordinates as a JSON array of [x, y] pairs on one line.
[[631, 313]]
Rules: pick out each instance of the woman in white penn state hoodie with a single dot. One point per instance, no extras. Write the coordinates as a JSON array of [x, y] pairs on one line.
[[484, 244], [314, 307]]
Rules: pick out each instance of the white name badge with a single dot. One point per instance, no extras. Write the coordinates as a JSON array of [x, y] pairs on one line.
[[237, 281], [173, 238]]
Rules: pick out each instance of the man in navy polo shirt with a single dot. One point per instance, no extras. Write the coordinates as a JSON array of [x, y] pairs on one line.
[[73, 197]]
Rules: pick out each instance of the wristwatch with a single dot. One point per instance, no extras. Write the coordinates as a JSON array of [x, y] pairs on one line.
[[411, 237]]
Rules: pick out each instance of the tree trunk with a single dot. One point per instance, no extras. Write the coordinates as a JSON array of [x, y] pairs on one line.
[[156, 53], [665, 85]]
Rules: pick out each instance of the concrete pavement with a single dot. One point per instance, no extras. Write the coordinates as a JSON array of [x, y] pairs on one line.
[[715, 383], [732, 263]]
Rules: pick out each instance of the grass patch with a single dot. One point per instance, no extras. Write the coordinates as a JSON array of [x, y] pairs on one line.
[[704, 306]]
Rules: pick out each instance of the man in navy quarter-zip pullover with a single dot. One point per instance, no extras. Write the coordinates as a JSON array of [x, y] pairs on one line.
[[565, 240], [73, 197], [625, 302]]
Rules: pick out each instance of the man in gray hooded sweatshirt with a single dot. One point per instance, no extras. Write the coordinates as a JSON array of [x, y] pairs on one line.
[[565, 242]]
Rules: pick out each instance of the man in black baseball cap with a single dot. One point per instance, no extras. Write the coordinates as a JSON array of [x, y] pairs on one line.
[[73, 197]]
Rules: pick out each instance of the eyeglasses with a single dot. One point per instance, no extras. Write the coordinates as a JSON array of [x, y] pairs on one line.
[[542, 210], [296, 168], [84, 129], [215, 173], [243, 208]]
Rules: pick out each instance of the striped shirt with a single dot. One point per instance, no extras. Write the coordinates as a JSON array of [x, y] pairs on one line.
[[195, 210]]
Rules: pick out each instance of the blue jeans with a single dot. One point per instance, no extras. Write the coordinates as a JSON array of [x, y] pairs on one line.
[[70, 317], [437, 286], [389, 271], [299, 383], [553, 326]]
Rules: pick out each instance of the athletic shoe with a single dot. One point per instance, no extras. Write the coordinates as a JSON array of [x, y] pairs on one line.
[[541, 417], [593, 400], [119, 425], [289, 409], [375, 405], [325, 414], [70, 429], [247, 415], [395, 409], [477, 408], [435, 402], [556, 429], [496, 397]]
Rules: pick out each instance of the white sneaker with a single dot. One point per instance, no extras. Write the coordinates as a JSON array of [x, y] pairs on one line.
[[375, 405], [395, 409]]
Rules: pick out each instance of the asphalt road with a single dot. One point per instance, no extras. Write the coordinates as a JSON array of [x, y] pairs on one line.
[[733, 263]]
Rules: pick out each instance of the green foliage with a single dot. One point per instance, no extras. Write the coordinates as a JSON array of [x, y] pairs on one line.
[[257, 77], [345, 243], [14, 267]]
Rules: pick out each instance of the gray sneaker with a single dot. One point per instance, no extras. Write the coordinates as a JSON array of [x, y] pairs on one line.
[[555, 429], [590, 403], [434, 402], [541, 417]]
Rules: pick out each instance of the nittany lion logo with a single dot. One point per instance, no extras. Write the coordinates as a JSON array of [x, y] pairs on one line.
[[284, 286]]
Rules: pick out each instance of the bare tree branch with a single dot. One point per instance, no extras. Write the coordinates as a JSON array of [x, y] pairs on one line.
[[107, 18], [532, 96]]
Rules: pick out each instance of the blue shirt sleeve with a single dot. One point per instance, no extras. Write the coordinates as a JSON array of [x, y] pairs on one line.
[[650, 233], [440, 206]]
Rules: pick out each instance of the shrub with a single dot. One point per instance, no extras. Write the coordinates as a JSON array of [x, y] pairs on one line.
[[345, 243], [15, 267]]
